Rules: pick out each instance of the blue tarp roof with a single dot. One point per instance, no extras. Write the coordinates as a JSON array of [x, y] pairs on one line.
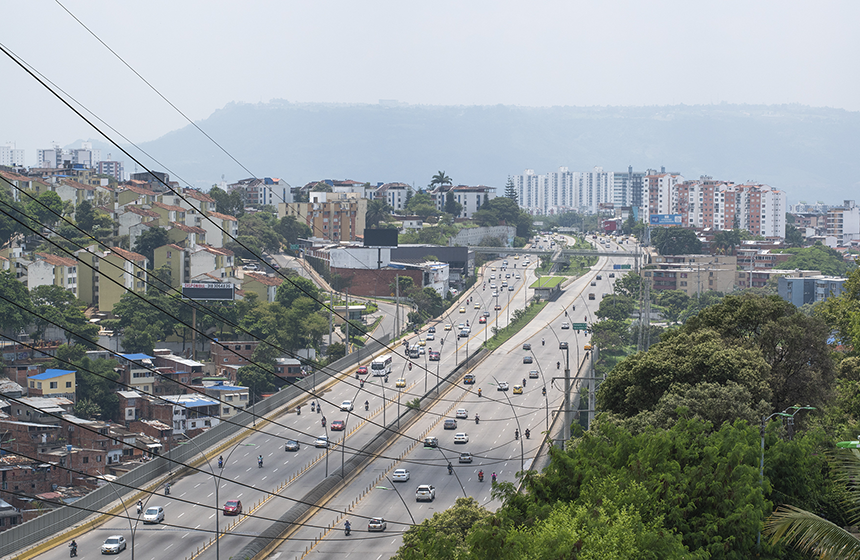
[[136, 357], [51, 373], [226, 388]]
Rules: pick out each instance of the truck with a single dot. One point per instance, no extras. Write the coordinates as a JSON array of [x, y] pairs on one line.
[[591, 296]]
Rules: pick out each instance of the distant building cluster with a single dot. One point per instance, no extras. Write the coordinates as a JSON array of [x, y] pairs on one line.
[[701, 203]]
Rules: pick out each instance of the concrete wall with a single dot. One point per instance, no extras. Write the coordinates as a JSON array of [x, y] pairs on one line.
[[474, 236]]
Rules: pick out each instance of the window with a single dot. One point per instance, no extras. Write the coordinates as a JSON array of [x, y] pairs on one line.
[[68, 384], [54, 385], [229, 398], [86, 460], [247, 347], [226, 410]]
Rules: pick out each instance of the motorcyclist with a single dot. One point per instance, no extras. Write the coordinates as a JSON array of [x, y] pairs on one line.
[[450, 468], [298, 410], [477, 419], [544, 391], [260, 461], [347, 527], [524, 381], [558, 365], [528, 433], [516, 434], [313, 406], [410, 366], [167, 489], [73, 549], [481, 476], [139, 507], [323, 421], [479, 391], [542, 342], [366, 405], [494, 477]]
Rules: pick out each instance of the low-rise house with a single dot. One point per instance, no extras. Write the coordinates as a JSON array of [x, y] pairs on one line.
[[52, 383]]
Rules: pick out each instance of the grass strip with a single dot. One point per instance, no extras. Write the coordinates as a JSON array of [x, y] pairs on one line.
[[501, 336]]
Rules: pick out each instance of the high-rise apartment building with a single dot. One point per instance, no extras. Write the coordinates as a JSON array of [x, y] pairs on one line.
[[112, 168], [843, 222], [10, 156]]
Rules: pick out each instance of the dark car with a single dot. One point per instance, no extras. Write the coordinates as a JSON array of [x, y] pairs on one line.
[[337, 425], [233, 507], [527, 346], [291, 445], [433, 356], [527, 359], [563, 345], [450, 424]]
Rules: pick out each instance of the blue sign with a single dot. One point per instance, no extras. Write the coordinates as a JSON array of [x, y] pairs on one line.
[[665, 219]]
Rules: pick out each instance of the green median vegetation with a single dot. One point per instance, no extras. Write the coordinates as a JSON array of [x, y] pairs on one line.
[[521, 318]]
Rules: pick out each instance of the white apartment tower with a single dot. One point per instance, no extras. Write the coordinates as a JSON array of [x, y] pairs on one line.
[[11, 157]]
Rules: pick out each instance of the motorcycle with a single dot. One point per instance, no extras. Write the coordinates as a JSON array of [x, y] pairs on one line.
[[477, 420], [139, 508], [220, 462], [544, 391], [481, 476], [558, 365], [313, 407], [516, 434], [542, 342], [323, 422], [299, 410], [167, 489], [494, 478], [366, 405], [450, 469], [479, 392], [73, 549], [528, 434], [347, 528], [260, 462]]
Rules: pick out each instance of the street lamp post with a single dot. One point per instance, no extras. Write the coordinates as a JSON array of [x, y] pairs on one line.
[[517, 420], [131, 529], [448, 462], [393, 487], [784, 414]]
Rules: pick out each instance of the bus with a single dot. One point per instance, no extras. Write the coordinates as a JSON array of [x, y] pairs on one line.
[[381, 366]]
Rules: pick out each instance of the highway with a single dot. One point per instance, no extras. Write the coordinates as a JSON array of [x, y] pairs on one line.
[[267, 492]]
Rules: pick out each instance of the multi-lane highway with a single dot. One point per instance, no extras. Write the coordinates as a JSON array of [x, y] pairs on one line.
[[267, 491]]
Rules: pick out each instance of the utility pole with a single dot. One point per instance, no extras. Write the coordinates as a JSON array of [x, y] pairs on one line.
[[568, 413], [330, 313], [346, 291], [396, 306]]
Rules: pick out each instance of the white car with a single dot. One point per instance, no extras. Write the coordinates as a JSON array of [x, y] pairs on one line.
[[425, 493], [346, 406], [400, 475], [565, 325], [376, 524], [461, 438], [462, 413], [322, 441], [431, 336], [503, 386], [114, 544], [153, 514]]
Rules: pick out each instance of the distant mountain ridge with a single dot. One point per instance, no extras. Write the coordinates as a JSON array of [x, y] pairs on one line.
[[810, 152]]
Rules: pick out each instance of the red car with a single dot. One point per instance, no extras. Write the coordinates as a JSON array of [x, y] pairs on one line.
[[362, 370], [433, 356], [337, 425], [482, 320], [233, 507]]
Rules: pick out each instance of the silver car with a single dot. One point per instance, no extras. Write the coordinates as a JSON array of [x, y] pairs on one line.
[[153, 514], [376, 524], [114, 544]]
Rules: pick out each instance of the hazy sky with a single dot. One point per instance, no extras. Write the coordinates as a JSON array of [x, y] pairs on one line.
[[204, 54]]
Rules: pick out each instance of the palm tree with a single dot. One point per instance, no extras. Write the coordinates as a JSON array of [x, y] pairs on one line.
[[813, 534], [440, 179], [377, 211]]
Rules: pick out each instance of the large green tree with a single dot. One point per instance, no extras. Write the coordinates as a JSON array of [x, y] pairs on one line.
[[46, 209], [295, 287], [378, 211], [510, 190], [452, 206], [14, 303], [231, 203], [149, 240], [422, 205], [440, 179], [818, 257], [675, 241]]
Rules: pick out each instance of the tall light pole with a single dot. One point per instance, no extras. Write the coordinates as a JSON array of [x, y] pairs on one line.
[[393, 487], [784, 414], [131, 529], [517, 420]]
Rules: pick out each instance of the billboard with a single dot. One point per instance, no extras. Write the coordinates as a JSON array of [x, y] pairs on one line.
[[208, 291], [665, 219], [386, 237]]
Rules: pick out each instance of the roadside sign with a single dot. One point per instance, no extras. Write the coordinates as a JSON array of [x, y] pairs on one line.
[[579, 326]]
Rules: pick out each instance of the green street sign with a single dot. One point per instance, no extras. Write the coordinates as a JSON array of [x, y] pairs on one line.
[[579, 326]]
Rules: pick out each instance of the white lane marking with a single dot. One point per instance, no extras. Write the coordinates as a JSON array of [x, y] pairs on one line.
[[240, 494], [186, 534], [198, 484], [264, 478], [168, 546], [211, 516], [210, 494], [181, 514]]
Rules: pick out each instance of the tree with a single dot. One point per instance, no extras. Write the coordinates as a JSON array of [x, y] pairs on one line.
[[675, 241], [13, 290], [377, 211], [510, 190], [444, 534], [628, 285], [291, 230], [793, 236], [260, 226], [818, 257], [813, 534], [85, 216], [726, 240], [440, 179], [149, 240], [335, 351], [55, 305], [406, 284], [46, 209], [616, 307], [295, 287], [231, 203], [452, 206], [422, 205], [674, 303]]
